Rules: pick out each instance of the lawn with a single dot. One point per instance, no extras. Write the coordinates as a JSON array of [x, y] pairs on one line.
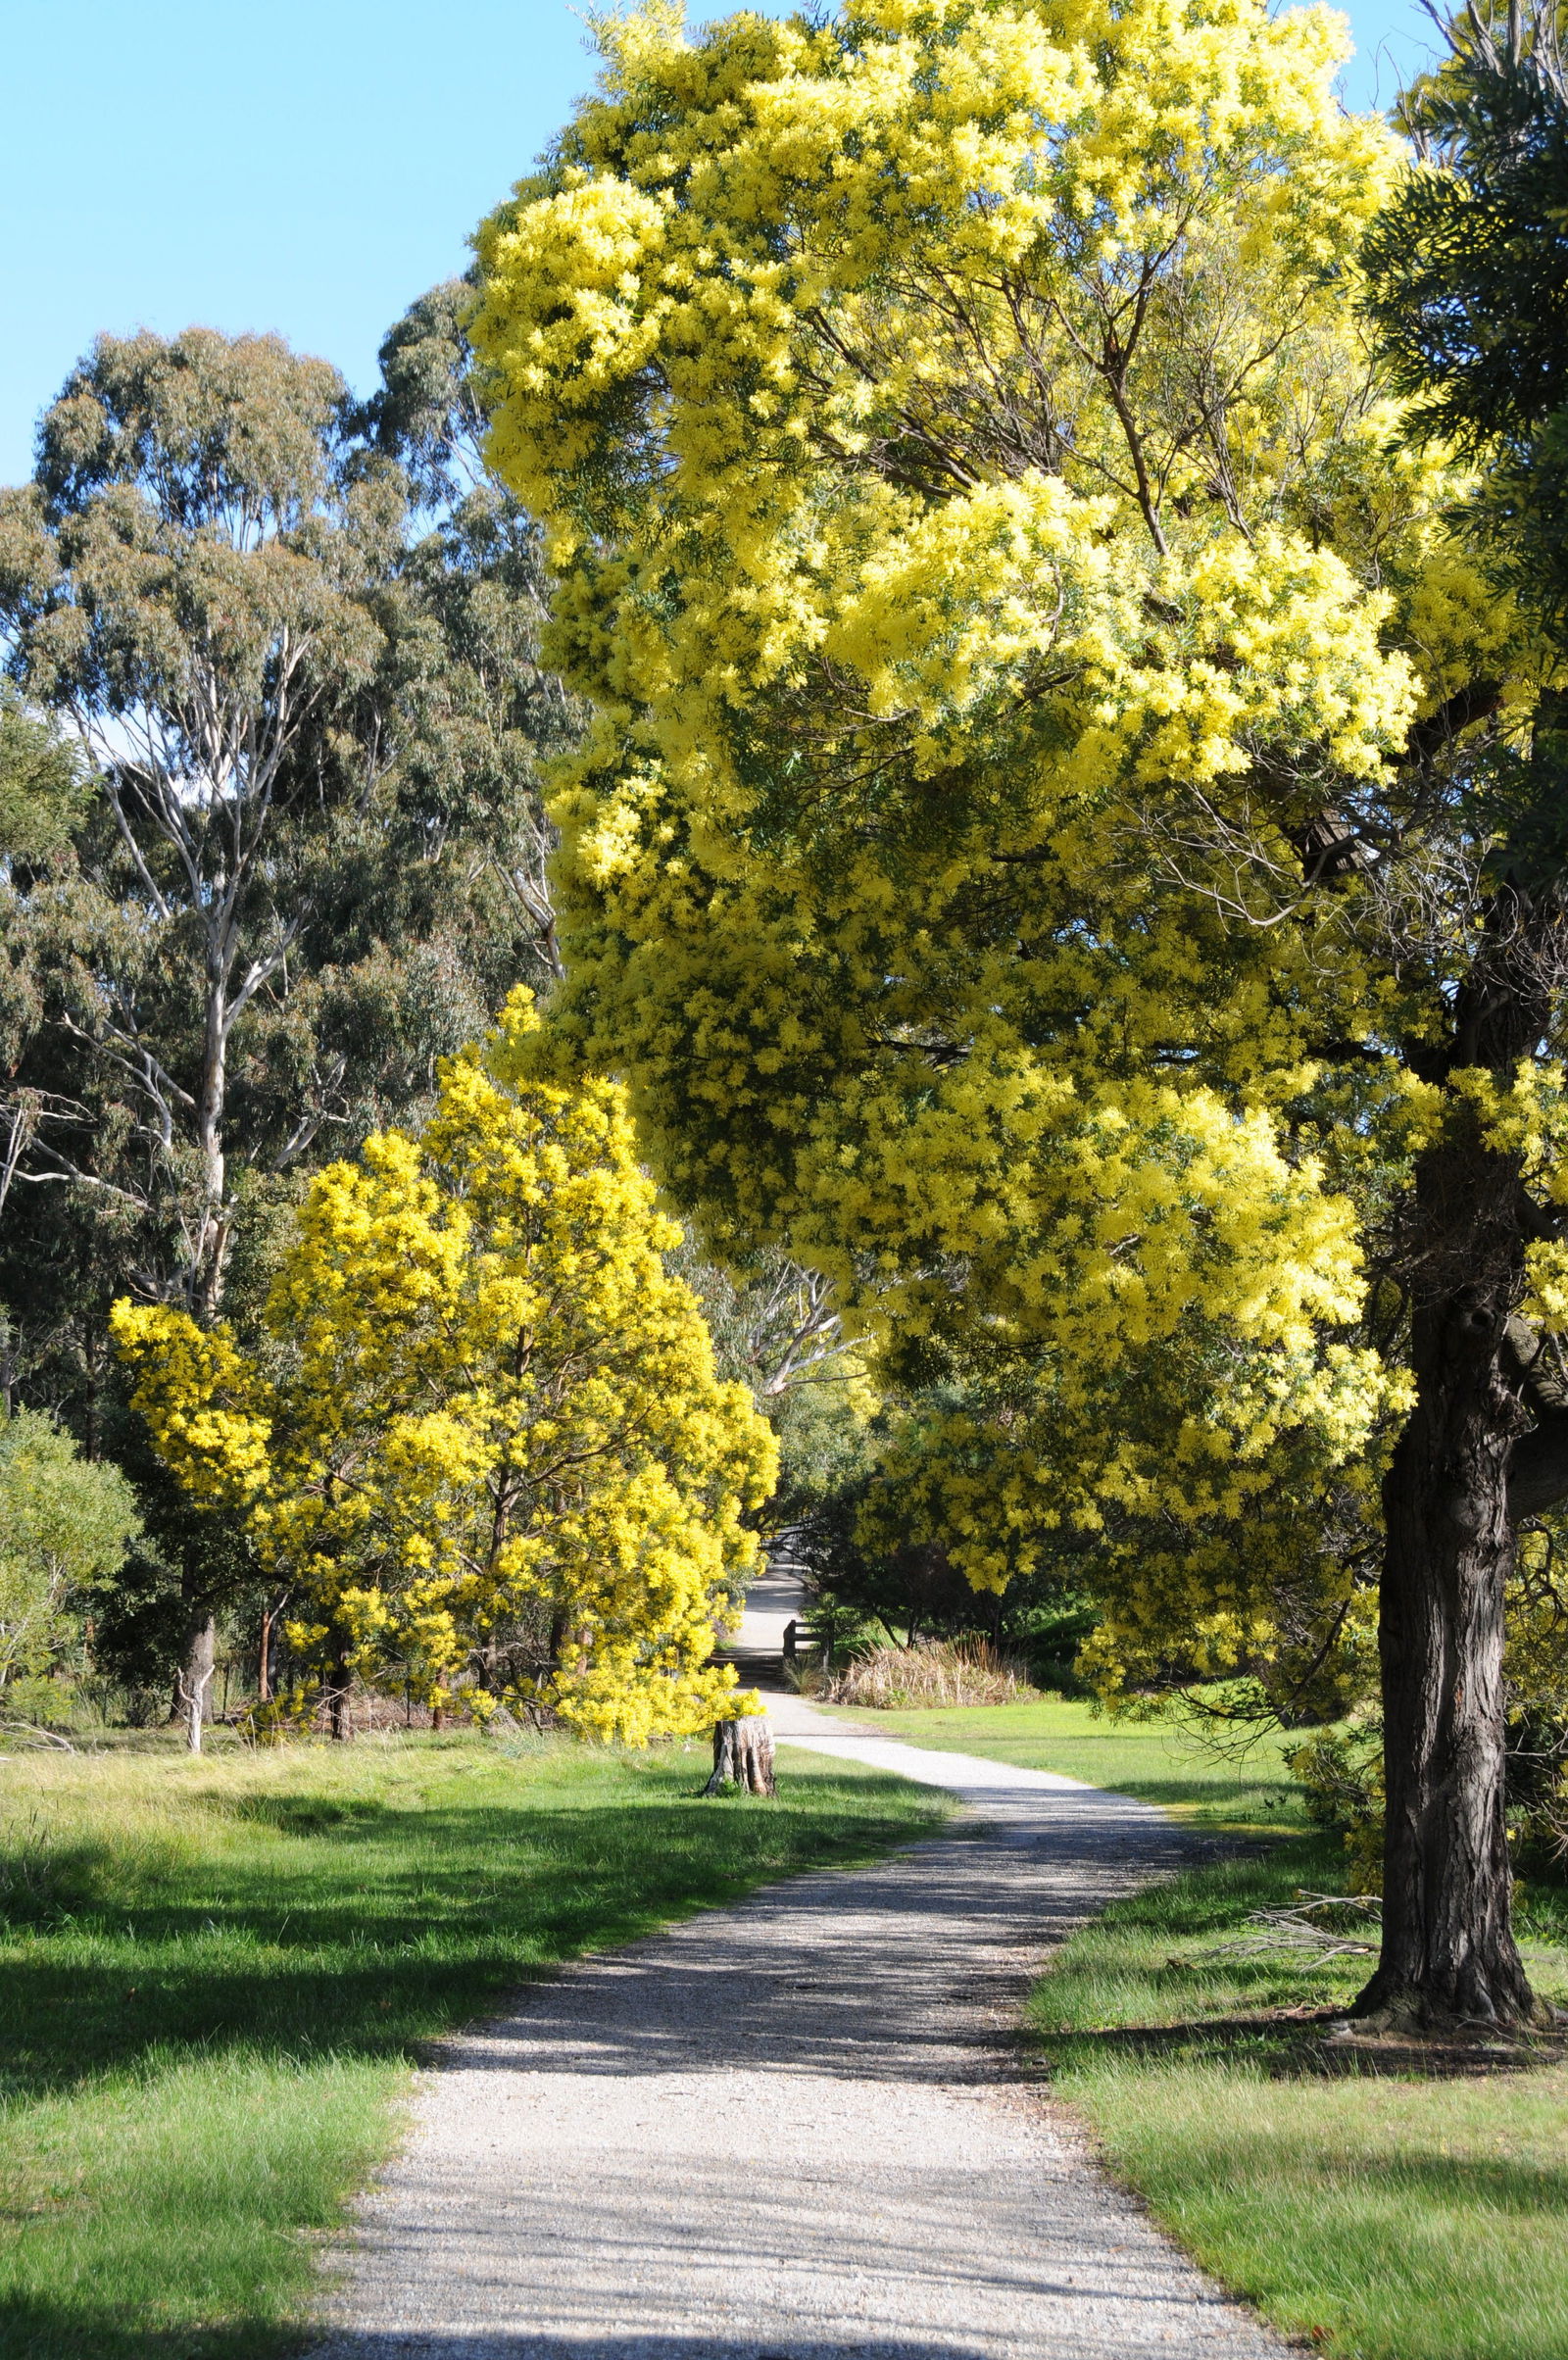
[[1376, 2212], [214, 1976]]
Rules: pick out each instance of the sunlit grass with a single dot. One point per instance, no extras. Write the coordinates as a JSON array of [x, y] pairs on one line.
[[1381, 2213], [214, 1974]]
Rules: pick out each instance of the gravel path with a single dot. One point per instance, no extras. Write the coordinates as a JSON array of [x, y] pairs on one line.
[[798, 2129]]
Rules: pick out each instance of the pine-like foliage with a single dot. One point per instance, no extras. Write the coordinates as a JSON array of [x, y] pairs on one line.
[[1467, 274]]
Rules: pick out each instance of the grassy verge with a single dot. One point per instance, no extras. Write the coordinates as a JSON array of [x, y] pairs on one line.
[[213, 1975], [1373, 2208], [1375, 2211]]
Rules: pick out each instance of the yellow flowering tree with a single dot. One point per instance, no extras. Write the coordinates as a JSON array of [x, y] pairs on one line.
[[483, 1436], [1041, 858], [941, 419]]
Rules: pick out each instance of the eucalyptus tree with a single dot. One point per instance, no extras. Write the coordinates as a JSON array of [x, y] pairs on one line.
[[314, 714], [185, 581]]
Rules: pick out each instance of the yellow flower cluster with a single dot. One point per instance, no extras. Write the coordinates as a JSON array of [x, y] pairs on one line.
[[486, 1441]]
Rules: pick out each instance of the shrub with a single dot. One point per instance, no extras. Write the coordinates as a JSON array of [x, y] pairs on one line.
[[66, 1524]]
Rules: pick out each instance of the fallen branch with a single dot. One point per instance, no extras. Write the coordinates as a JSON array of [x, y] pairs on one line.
[[45, 1736], [1297, 1929]]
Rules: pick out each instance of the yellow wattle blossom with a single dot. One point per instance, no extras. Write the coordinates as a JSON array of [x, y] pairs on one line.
[[485, 1441]]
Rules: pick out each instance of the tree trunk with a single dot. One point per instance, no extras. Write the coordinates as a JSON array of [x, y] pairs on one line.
[[194, 1681], [1448, 1954], [211, 1240], [743, 1755], [340, 1716]]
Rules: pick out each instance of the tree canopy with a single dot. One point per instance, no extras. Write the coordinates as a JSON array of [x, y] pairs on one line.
[[313, 715], [941, 426], [1468, 284]]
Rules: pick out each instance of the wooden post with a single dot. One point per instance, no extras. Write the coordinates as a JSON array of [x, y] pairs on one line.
[[743, 1755]]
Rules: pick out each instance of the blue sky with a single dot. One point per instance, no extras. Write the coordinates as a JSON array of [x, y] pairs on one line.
[[309, 166]]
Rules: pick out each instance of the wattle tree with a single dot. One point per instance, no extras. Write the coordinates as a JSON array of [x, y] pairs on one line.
[[1049, 852], [483, 1445]]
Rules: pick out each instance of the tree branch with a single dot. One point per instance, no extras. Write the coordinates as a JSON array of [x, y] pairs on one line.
[[1538, 1479]]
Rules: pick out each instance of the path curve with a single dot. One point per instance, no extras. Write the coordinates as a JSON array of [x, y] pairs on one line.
[[796, 2128]]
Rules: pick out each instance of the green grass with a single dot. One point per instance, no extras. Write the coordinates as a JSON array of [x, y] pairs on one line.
[[214, 1976], [1377, 2212], [1156, 1761]]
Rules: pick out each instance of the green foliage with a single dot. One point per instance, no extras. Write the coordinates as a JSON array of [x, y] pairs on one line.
[[42, 786], [426, 414], [311, 862], [66, 1525], [215, 1977], [1342, 1784], [190, 1562], [1468, 286]]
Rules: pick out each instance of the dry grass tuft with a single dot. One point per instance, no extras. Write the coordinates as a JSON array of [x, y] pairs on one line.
[[967, 1671]]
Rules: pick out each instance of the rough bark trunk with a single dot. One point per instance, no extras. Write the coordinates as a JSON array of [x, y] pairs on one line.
[[1448, 1954], [194, 1681], [743, 1757], [1448, 1947]]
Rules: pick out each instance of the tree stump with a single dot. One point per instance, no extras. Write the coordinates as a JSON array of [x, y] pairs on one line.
[[743, 1755]]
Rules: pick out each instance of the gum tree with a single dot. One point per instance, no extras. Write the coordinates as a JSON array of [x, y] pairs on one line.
[[299, 658], [282, 650], [185, 582]]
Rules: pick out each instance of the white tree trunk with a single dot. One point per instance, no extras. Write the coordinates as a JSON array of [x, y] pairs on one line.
[[195, 1679]]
